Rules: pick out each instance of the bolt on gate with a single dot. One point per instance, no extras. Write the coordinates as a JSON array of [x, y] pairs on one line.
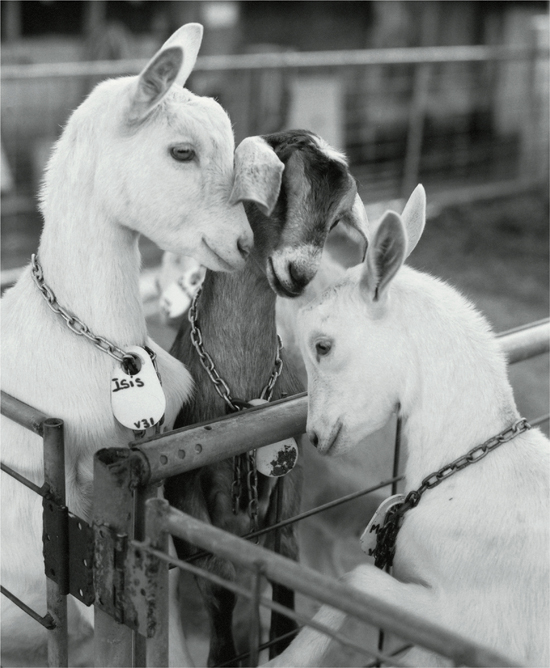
[[121, 562]]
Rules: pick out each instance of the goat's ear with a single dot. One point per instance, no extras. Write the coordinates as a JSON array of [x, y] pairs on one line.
[[154, 82], [356, 217], [171, 64], [188, 38], [385, 255], [414, 217], [258, 173]]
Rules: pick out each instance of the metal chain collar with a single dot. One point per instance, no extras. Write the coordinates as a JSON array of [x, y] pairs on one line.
[[244, 464], [207, 363], [75, 324], [384, 551], [126, 360]]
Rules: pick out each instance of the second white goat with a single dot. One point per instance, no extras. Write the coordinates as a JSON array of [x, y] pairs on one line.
[[472, 550]]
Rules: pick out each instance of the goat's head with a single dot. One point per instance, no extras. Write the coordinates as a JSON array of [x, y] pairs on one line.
[[151, 156], [354, 339], [291, 225]]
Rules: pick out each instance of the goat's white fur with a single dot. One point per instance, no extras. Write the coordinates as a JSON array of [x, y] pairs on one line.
[[473, 556], [110, 178]]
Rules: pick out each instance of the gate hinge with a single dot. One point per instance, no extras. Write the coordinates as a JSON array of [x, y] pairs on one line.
[[68, 547]]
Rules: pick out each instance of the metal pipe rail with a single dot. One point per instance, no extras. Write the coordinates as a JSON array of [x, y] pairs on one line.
[[363, 607], [51, 431], [266, 61], [191, 447]]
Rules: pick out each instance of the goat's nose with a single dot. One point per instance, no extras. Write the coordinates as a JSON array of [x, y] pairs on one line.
[[244, 244], [313, 438], [300, 275]]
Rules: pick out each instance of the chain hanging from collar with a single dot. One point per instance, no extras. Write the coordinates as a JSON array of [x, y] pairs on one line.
[[384, 551], [126, 360], [244, 466]]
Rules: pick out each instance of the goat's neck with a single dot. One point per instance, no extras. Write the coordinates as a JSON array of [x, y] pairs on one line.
[[458, 397], [92, 265], [237, 318]]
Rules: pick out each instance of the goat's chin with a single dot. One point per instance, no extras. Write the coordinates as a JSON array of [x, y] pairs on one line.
[[281, 288]]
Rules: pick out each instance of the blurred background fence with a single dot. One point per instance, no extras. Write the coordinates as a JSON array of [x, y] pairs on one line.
[[450, 117]]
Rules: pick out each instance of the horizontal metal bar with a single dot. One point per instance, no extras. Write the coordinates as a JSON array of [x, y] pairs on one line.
[[260, 61], [526, 343], [305, 514], [41, 491], [22, 413], [322, 508], [364, 607], [266, 602], [521, 328], [47, 620], [539, 420], [198, 445]]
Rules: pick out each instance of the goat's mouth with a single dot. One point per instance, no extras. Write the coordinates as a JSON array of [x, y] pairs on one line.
[[282, 289], [219, 262], [328, 447]]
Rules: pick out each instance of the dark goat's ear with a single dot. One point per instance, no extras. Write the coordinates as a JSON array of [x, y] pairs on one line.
[[258, 173], [356, 217]]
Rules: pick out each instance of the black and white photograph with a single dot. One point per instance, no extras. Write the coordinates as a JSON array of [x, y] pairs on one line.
[[275, 333]]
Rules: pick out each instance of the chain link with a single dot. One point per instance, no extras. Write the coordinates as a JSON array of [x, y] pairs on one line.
[[384, 551], [243, 465], [75, 324], [208, 365], [126, 360]]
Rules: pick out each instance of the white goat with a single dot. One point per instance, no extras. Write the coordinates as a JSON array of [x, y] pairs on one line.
[[140, 155], [473, 554]]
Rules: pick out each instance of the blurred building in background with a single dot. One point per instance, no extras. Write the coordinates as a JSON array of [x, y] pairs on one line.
[[457, 118]]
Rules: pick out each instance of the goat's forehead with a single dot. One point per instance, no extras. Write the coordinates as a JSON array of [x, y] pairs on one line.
[[201, 113]]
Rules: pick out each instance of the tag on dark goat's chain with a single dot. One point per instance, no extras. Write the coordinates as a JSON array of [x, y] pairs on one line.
[[276, 459], [137, 400]]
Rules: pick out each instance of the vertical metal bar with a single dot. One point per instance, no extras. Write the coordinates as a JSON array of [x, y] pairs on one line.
[[54, 477], [114, 480], [157, 646], [275, 596], [142, 494], [415, 134], [395, 473], [255, 626]]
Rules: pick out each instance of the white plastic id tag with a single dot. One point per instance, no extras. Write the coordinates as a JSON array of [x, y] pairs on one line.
[[368, 539], [138, 400], [276, 459]]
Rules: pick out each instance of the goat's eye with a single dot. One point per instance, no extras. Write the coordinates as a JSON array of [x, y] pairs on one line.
[[182, 153], [334, 224], [323, 348]]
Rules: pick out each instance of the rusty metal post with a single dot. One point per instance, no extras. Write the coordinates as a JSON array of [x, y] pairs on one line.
[[142, 494], [157, 644], [255, 625], [116, 474], [54, 478]]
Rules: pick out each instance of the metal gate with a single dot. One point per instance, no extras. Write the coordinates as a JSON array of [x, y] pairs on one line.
[[121, 563]]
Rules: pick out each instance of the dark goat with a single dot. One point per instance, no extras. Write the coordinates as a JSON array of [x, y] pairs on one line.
[[236, 313]]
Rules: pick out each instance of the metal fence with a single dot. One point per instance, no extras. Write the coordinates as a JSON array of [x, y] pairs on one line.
[[446, 116], [128, 542]]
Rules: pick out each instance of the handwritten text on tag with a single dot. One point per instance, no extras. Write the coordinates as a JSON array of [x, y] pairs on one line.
[[138, 400]]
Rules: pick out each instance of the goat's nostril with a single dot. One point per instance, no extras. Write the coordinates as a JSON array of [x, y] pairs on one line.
[[244, 246], [313, 438], [295, 273]]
